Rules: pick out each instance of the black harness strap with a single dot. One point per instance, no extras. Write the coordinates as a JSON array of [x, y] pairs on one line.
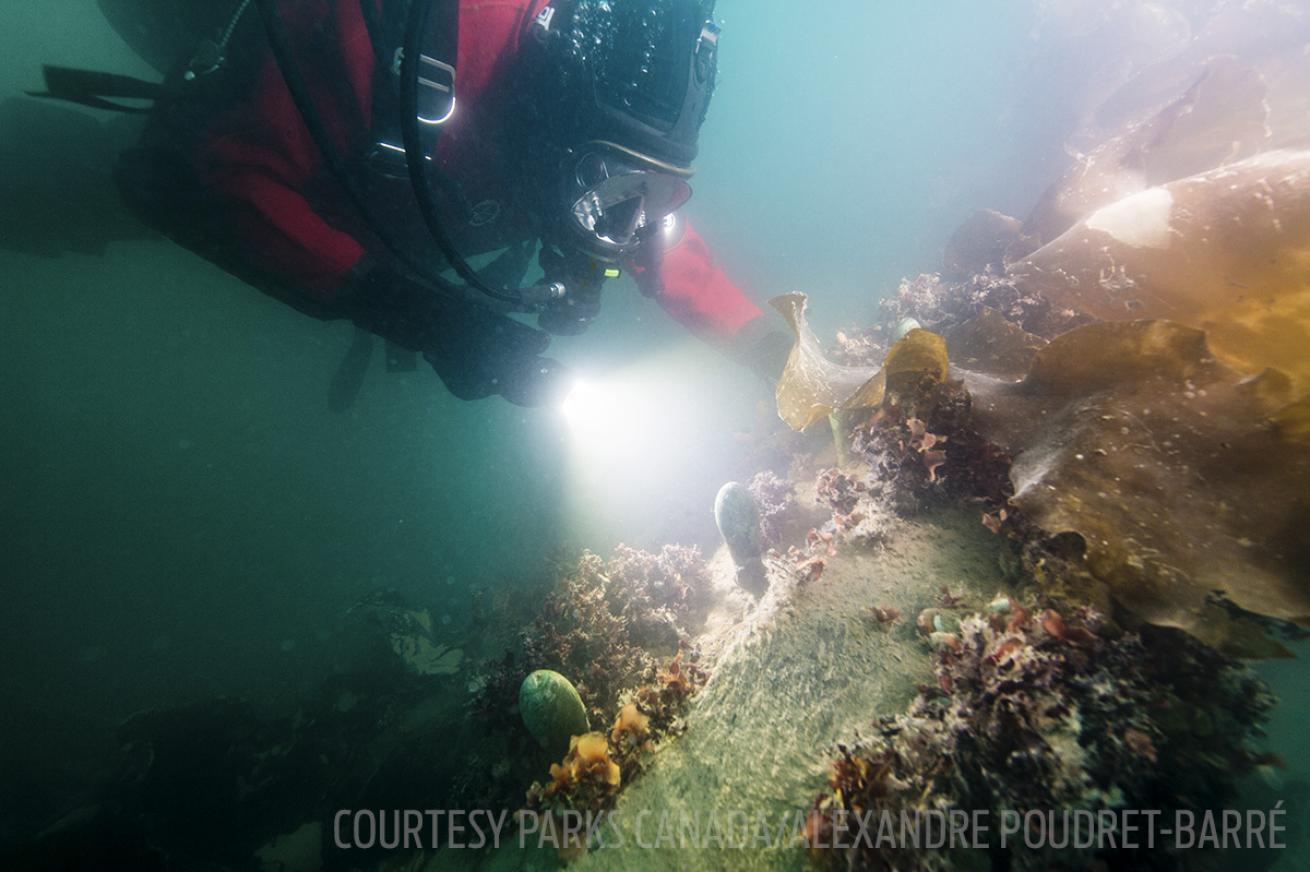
[[387, 35]]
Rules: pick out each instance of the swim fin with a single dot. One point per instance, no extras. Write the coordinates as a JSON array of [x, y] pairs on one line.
[[349, 377], [95, 89]]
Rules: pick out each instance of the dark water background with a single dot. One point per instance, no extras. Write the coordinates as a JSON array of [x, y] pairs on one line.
[[182, 516]]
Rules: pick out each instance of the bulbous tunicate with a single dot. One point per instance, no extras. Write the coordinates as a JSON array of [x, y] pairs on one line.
[[552, 710]]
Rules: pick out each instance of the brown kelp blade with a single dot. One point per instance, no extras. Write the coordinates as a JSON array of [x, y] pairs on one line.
[[1220, 119], [1117, 429], [1226, 251]]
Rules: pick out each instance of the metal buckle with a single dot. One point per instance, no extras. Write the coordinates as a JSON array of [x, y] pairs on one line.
[[437, 83], [387, 160], [541, 26], [438, 80]]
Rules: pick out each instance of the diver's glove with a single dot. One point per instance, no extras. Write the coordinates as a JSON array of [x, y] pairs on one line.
[[761, 349], [538, 381], [476, 352]]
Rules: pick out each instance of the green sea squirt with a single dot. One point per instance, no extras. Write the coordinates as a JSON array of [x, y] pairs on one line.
[[552, 710]]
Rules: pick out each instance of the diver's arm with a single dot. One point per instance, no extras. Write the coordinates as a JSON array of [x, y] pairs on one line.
[[475, 351], [699, 294]]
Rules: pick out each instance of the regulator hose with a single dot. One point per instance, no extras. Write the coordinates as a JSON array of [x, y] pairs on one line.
[[280, 44], [420, 12]]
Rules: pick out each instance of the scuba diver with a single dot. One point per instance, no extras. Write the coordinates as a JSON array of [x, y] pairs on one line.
[[357, 157]]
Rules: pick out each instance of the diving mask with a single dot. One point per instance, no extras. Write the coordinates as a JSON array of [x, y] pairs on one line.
[[622, 194]]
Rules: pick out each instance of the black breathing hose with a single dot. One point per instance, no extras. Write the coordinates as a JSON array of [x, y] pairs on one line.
[[411, 57], [281, 48]]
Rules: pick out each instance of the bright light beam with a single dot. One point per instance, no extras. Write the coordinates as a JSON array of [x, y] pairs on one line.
[[649, 443], [584, 408], [611, 421]]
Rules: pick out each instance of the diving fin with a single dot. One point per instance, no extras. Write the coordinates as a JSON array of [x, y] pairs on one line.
[[95, 89], [57, 191], [349, 377]]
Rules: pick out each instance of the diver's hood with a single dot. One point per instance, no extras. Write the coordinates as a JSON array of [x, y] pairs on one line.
[[636, 73]]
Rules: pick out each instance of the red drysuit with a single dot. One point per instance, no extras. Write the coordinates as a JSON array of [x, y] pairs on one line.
[[261, 164]]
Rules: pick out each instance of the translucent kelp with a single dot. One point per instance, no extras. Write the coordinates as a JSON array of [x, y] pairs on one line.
[[1267, 35], [813, 387], [990, 340]]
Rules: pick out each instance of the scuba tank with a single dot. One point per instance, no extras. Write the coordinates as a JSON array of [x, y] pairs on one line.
[[208, 52], [166, 33], [185, 40]]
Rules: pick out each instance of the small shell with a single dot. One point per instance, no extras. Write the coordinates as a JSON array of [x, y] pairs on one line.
[[944, 641]]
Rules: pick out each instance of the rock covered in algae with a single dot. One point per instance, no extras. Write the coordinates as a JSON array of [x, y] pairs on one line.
[[1040, 710], [738, 518], [552, 710]]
